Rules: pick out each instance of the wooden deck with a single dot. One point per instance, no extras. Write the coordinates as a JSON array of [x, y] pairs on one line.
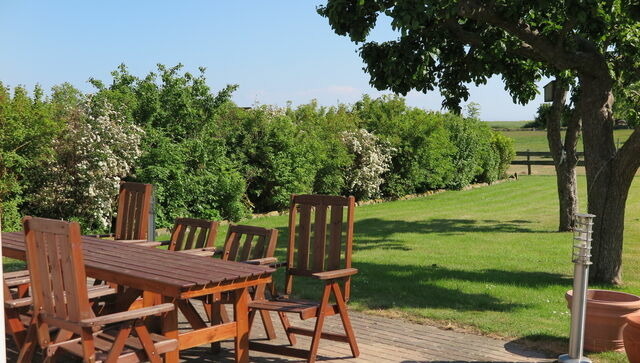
[[380, 340], [383, 340]]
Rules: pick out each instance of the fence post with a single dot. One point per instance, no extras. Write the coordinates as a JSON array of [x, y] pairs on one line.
[[528, 162]]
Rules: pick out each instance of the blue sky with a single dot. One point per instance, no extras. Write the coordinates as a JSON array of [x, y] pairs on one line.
[[277, 51]]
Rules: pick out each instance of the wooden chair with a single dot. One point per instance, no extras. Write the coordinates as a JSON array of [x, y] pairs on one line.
[[61, 300], [132, 220], [17, 303], [248, 244], [325, 257], [194, 236]]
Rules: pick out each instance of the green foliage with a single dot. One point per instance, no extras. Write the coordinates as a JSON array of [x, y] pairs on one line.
[[28, 127], [422, 149], [95, 150], [504, 151], [208, 158], [182, 158], [273, 153], [544, 112], [191, 179]]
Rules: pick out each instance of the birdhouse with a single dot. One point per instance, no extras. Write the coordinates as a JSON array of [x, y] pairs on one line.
[[548, 91]]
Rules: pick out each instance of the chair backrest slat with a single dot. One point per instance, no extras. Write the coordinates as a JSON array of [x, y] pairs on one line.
[[246, 247], [330, 248], [335, 238], [248, 242], [134, 204], [304, 233], [190, 233], [319, 238], [56, 267]]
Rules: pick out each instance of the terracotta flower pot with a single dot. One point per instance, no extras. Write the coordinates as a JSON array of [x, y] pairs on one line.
[[606, 314], [631, 336]]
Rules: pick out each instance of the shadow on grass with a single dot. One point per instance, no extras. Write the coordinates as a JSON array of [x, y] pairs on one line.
[[394, 286], [551, 345], [377, 232]]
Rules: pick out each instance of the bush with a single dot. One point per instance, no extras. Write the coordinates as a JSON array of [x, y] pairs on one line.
[[208, 158], [96, 150], [372, 160], [28, 127], [542, 116], [274, 156], [191, 179]]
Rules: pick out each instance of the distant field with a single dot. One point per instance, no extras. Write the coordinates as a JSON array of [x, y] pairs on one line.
[[507, 124], [537, 140]]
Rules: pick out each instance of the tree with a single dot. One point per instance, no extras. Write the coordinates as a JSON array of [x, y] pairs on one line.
[[564, 154], [449, 44]]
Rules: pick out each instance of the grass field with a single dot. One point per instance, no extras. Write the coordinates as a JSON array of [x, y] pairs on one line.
[[507, 124], [537, 140], [485, 259]]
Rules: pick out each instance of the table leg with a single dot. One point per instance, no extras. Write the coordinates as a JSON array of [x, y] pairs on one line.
[[241, 315], [170, 329]]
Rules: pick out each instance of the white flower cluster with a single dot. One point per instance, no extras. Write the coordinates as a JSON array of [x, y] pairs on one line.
[[98, 148], [373, 158]]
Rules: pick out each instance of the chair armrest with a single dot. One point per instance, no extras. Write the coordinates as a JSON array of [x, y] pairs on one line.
[[131, 241], [278, 264], [262, 261], [148, 244], [100, 291], [126, 315], [206, 251], [102, 235], [335, 274], [93, 293], [164, 243]]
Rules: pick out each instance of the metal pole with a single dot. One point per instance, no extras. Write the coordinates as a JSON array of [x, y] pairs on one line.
[[151, 227], [581, 257]]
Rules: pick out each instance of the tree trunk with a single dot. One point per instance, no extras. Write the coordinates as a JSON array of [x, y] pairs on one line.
[[606, 189], [564, 157]]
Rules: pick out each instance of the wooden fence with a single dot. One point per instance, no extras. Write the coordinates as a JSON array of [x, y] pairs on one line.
[[538, 155]]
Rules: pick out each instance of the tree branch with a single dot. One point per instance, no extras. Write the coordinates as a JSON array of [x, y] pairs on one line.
[[552, 52]]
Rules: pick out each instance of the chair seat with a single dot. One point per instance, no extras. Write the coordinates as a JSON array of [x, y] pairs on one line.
[[306, 309], [132, 352]]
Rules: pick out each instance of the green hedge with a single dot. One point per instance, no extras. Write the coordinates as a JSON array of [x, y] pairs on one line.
[[208, 158]]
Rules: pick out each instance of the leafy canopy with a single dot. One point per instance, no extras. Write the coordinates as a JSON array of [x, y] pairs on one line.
[[448, 44]]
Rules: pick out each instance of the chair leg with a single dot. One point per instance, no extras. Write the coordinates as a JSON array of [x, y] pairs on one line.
[[118, 344], [88, 346], [264, 315], [29, 346], [346, 322], [147, 342], [286, 325], [216, 318], [317, 333]]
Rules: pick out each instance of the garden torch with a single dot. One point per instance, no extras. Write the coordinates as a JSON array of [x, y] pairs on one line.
[[582, 229]]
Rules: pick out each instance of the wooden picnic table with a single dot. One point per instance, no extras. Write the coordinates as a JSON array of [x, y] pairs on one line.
[[175, 276]]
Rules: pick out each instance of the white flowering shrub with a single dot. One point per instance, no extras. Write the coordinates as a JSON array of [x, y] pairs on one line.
[[97, 149], [372, 160]]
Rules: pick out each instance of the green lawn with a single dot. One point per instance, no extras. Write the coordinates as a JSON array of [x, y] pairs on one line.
[[487, 259], [537, 140], [506, 124]]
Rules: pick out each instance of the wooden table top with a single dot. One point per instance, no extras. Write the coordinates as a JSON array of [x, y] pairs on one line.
[[150, 269]]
